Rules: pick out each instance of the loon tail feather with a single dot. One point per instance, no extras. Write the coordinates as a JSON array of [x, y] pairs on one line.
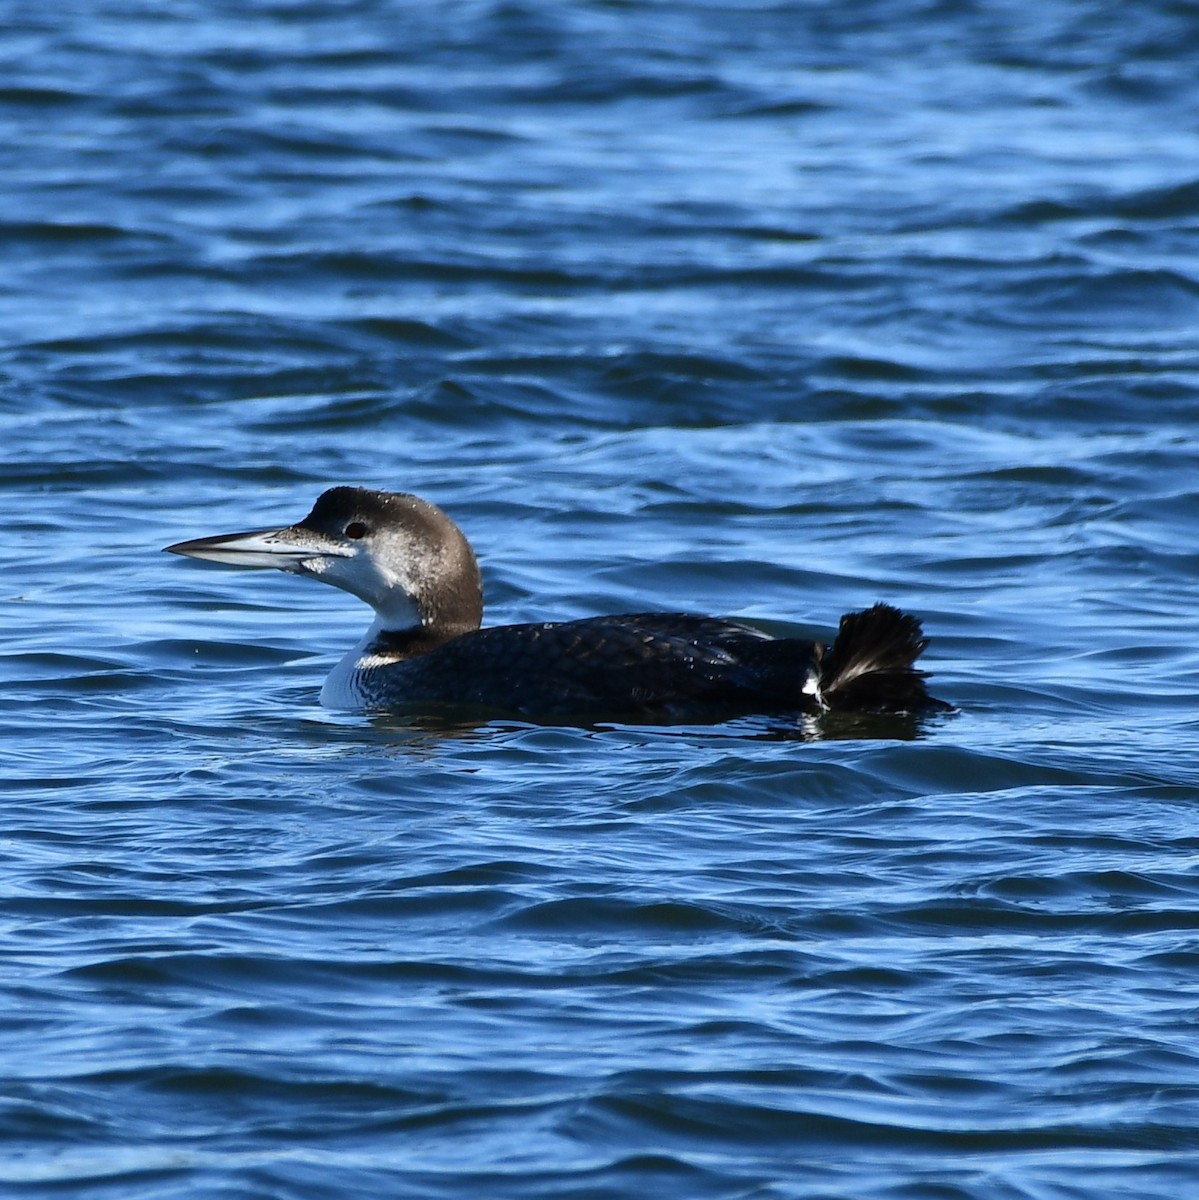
[[871, 664]]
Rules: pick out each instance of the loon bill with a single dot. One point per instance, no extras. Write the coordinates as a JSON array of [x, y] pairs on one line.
[[415, 568]]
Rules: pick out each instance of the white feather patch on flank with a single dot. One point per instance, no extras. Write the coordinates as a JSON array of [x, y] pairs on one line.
[[811, 687]]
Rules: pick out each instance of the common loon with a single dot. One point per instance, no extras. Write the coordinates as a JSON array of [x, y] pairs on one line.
[[415, 568]]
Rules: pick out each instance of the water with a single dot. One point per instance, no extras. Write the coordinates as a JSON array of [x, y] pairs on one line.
[[767, 309]]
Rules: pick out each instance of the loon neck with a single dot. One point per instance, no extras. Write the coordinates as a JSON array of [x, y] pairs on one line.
[[416, 617], [397, 644]]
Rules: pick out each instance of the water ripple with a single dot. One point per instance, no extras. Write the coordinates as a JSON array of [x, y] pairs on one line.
[[775, 317]]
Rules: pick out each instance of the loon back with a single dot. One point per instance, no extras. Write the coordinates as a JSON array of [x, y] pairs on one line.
[[671, 664], [416, 569]]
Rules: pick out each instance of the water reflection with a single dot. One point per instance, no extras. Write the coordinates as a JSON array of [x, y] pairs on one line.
[[454, 722]]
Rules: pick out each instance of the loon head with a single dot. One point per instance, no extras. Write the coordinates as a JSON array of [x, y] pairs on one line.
[[399, 553]]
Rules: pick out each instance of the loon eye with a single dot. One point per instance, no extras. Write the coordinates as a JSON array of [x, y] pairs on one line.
[[356, 530]]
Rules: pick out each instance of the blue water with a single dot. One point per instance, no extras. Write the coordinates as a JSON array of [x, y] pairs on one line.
[[769, 309]]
